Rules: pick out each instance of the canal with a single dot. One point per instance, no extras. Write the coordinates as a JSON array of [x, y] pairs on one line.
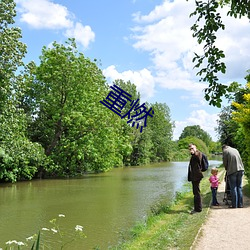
[[105, 204]]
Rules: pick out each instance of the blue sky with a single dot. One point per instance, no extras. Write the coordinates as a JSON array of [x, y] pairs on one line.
[[148, 42]]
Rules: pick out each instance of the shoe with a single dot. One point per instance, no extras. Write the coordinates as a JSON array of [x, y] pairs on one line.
[[231, 207], [194, 212], [217, 204]]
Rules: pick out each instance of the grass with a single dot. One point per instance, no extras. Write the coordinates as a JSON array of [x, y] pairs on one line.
[[246, 188], [170, 226]]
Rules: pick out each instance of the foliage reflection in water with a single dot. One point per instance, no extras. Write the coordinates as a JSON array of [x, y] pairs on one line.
[[104, 204]]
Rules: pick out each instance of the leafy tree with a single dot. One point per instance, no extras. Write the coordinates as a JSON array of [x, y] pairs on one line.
[[179, 154], [241, 115], [196, 131], [140, 143], [141, 147], [20, 158], [215, 147], [129, 88], [12, 50], [76, 130], [232, 124], [207, 24], [161, 128], [227, 127], [154, 144], [183, 144]]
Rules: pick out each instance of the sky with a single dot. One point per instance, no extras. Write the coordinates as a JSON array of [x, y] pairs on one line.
[[147, 42]]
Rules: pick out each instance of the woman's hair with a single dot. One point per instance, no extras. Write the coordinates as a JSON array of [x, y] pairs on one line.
[[214, 170]]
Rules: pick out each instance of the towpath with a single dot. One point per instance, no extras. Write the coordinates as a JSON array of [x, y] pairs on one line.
[[225, 228]]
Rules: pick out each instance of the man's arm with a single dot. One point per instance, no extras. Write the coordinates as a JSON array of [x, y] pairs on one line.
[[224, 159]]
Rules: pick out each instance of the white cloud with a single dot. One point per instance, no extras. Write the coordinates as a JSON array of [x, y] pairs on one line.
[[44, 14], [234, 41], [165, 33], [200, 117], [167, 37], [143, 80], [159, 12], [83, 34]]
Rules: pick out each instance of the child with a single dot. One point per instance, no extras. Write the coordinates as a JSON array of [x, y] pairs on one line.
[[214, 185]]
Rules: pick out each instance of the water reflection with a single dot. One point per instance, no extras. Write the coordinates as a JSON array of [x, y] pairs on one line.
[[105, 204]]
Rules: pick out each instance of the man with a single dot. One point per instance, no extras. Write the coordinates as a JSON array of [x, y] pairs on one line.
[[235, 169], [195, 175]]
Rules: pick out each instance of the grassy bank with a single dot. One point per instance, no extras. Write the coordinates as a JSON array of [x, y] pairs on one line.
[[170, 227]]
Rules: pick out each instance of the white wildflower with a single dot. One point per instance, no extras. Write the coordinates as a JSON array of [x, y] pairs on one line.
[[29, 238], [20, 243], [54, 230], [78, 228], [10, 242], [61, 215], [45, 229]]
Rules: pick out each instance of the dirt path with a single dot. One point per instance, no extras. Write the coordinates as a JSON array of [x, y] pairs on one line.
[[225, 228]]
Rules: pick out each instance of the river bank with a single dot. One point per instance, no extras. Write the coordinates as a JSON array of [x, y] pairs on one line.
[[173, 227]]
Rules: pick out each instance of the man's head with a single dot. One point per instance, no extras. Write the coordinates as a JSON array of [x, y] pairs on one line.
[[192, 148]]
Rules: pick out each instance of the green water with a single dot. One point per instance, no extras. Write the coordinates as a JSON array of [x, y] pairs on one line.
[[104, 204]]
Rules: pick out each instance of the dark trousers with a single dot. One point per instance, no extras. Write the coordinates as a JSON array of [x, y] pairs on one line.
[[214, 196], [197, 196]]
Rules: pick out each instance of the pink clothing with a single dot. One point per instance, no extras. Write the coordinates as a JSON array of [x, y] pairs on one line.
[[214, 181]]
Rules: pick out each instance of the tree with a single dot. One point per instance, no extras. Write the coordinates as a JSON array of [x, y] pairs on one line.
[[138, 154], [78, 133], [215, 148], [208, 23], [227, 127], [154, 144], [183, 144], [12, 50], [20, 158], [233, 123], [196, 131], [229, 130], [242, 117], [161, 132]]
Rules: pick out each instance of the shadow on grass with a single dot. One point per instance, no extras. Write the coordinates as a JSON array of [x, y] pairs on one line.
[[183, 204]]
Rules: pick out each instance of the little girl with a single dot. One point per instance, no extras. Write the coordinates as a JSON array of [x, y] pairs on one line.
[[214, 185]]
